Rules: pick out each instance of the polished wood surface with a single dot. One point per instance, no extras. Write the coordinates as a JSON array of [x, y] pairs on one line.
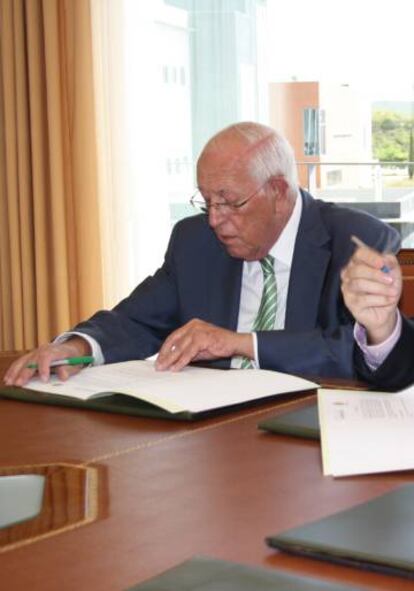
[[406, 260], [173, 490]]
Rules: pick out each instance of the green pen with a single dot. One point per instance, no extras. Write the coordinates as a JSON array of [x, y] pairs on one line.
[[86, 360]]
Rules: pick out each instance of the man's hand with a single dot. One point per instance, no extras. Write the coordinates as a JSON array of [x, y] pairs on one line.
[[199, 340], [19, 374], [371, 294]]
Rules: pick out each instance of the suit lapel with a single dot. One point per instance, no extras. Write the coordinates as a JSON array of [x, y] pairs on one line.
[[309, 266], [223, 291]]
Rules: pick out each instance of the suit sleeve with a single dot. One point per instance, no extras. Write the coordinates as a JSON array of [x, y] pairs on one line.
[[397, 370], [138, 325], [318, 352]]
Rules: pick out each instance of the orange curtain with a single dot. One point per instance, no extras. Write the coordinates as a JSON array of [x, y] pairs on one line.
[[50, 254]]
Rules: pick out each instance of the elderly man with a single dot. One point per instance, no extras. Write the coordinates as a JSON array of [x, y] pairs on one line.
[[384, 354], [253, 280]]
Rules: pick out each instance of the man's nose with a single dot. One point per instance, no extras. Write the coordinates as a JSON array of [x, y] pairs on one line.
[[215, 215]]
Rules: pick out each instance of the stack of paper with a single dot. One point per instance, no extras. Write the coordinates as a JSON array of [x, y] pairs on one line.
[[363, 432]]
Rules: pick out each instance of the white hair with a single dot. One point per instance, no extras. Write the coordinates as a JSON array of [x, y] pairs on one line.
[[272, 155]]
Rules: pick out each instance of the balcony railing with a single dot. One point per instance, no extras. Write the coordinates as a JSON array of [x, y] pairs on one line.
[[377, 173], [384, 189]]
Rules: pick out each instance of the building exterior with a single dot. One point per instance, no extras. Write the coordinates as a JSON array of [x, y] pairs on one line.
[[203, 65], [326, 123]]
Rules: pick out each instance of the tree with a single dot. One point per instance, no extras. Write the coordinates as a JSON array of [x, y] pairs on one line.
[[392, 137]]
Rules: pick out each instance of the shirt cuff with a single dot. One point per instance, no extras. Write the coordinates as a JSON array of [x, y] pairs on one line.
[[96, 351], [255, 351], [236, 362], [375, 355]]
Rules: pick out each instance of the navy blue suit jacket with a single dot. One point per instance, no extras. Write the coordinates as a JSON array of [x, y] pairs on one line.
[[200, 280], [397, 371]]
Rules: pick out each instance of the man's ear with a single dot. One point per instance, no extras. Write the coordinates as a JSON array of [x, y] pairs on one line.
[[279, 186]]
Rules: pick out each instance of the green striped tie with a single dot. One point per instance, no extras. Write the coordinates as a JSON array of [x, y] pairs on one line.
[[265, 319]]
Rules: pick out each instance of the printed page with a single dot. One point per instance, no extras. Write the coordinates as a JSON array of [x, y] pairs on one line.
[[366, 432], [193, 389]]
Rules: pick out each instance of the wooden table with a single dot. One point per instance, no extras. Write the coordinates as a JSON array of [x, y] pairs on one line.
[[170, 490]]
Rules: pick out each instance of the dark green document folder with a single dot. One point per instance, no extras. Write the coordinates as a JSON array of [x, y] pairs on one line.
[[303, 422], [377, 535], [208, 574], [118, 403], [128, 405]]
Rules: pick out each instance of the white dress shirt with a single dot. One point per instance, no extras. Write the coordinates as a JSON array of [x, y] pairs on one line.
[[375, 355], [252, 281]]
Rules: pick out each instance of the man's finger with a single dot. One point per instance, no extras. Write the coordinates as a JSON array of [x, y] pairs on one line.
[[22, 377], [64, 372], [362, 271], [189, 354], [172, 351], [363, 286], [369, 257], [15, 368]]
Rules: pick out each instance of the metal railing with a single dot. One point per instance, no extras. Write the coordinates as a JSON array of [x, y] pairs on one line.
[[377, 176]]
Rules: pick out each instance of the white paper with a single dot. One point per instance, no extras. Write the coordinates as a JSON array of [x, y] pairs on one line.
[[192, 389], [366, 432]]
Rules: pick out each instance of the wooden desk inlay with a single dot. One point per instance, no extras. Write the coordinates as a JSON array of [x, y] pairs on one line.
[[70, 500]]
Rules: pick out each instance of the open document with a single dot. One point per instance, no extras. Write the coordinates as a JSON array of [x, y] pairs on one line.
[[193, 389], [363, 432]]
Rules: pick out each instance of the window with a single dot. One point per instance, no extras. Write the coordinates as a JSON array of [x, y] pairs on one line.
[[311, 132], [192, 67]]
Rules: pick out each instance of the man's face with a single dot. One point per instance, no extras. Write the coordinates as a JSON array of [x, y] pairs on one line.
[[249, 231]]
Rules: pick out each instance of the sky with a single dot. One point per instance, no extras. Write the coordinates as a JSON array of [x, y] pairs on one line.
[[367, 44]]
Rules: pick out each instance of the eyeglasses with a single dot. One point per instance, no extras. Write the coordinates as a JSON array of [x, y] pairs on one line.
[[226, 208]]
